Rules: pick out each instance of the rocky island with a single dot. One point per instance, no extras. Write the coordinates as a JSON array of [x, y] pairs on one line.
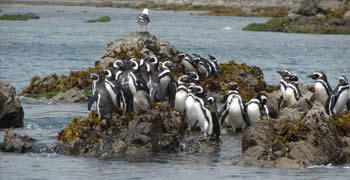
[[302, 135]]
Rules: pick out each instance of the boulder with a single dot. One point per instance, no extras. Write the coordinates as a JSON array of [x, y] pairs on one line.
[[347, 15], [309, 137], [71, 96], [11, 111], [14, 142]]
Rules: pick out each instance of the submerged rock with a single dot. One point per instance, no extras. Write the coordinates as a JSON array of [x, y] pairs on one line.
[[14, 142], [11, 111], [302, 141]]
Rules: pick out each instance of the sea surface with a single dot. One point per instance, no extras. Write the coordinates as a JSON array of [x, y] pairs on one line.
[[60, 42]]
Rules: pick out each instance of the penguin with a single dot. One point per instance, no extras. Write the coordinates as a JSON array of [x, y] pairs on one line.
[[141, 100], [194, 77], [283, 82], [200, 115], [232, 90], [188, 63], [167, 82], [155, 89], [214, 114], [134, 77], [322, 87], [190, 109], [104, 104], [202, 65], [293, 93], [111, 86], [215, 64], [118, 69], [181, 93], [256, 108], [95, 80], [339, 97], [235, 113]]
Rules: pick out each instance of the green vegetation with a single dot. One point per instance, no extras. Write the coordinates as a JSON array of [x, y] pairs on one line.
[[13, 17], [101, 19], [342, 123]]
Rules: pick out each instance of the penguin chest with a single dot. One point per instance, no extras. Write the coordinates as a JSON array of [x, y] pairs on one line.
[[203, 69], [283, 90], [132, 85], [342, 99], [164, 81], [180, 99], [235, 114], [203, 117], [290, 96], [188, 66], [190, 110], [253, 112], [111, 93], [321, 94]]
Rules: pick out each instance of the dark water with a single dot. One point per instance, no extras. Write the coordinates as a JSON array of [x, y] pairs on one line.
[[60, 42]]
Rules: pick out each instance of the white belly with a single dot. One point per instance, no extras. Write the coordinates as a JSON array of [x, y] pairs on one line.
[[112, 94], [202, 69], [283, 91], [164, 83], [201, 118], [290, 98], [235, 114], [132, 86], [253, 112], [188, 66], [190, 111], [321, 93], [180, 99], [341, 102]]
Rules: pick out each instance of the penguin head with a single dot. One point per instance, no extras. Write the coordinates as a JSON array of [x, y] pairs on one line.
[[94, 76], [152, 60], [196, 60], [193, 76], [183, 79], [316, 75], [284, 73], [108, 74], [262, 98], [181, 55], [168, 64], [212, 58], [292, 77], [134, 65], [197, 55], [232, 86], [343, 81], [196, 89], [118, 64]]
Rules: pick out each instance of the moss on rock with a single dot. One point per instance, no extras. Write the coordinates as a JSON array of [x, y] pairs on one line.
[[101, 19]]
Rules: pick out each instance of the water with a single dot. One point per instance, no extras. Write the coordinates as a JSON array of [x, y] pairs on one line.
[[60, 42]]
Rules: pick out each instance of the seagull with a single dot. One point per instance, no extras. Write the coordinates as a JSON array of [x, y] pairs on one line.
[[143, 18]]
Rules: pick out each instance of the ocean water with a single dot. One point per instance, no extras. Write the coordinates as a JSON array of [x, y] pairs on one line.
[[61, 41]]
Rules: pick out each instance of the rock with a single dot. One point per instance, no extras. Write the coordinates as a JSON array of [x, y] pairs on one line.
[[347, 15], [11, 111], [16, 143], [71, 96], [141, 45], [293, 141], [31, 16], [105, 62]]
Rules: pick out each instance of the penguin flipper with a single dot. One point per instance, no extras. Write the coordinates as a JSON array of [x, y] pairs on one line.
[[348, 104], [216, 125], [172, 92], [91, 100], [223, 116]]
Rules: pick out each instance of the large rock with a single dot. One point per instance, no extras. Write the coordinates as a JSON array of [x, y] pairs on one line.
[[293, 143], [14, 142], [347, 15], [11, 111], [71, 96]]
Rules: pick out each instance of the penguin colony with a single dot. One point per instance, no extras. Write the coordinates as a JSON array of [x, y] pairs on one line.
[[133, 85]]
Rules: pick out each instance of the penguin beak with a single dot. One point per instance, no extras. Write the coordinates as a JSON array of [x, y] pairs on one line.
[[279, 72], [310, 76]]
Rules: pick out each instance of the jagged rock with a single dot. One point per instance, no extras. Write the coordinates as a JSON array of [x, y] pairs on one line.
[[71, 96], [106, 62], [140, 45], [347, 15], [286, 143], [16, 143], [11, 111]]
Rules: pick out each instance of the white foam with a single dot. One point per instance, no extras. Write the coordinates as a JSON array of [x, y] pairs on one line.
[[227, 28]]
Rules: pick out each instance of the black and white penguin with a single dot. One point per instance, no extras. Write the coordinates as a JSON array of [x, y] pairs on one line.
[[111, 85], [167, 82], [143, 18], [235, 113], [283, 82], [104, 104], [338, 98], [232, 90], [215, 64], [181, 93], [293, 93], [256, 108], [203, 65], [322, 87], [188, 62], [95, 81], [214, 114], [194, 77], [141, 100]]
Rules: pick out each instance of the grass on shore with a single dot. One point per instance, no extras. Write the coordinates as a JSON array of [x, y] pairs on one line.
[[101, 19], [13, 17]]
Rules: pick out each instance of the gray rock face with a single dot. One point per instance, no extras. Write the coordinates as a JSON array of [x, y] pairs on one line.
[[31, 16], [16, 143], [71, 96], [293, 141], [11, 111], [138, 45]]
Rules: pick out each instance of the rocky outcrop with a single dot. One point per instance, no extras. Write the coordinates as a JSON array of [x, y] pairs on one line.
[[160, 130], [14, 142], [71, 96], [11, 111], [308, 138], [31, 16]]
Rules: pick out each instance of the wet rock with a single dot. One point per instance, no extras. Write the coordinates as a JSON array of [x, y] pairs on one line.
[[289, 142], [11, 111], [347, 15], [159, 130], [31, 16], [71, 96], [14, 142]]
